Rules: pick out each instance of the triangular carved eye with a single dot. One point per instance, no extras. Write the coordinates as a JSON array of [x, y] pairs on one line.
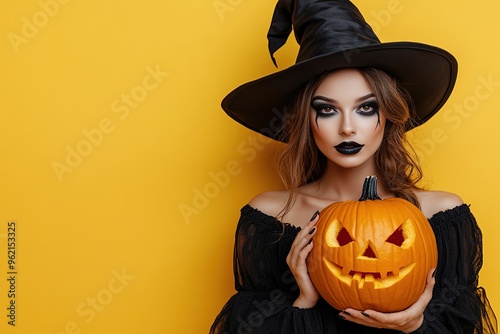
[[344, 237], [337, 235], [404, 236], [397, 238]]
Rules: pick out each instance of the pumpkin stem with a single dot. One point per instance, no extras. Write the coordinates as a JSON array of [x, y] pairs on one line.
[[369, 189]]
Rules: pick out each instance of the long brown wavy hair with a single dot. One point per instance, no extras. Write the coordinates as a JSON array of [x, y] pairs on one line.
[[301, 162]]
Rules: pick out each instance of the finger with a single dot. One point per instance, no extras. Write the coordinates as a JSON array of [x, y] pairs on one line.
[[302, 240], [374, 318], [378, 319], [306, 241], [427, 294], [305, 251], [298, 255], [300, 249], [431, 281], [314, 217], [431, 276], [307, 227], [360, 317], [306, 233]]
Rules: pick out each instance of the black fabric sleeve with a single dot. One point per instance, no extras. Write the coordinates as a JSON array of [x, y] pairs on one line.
[[265, 286], [458, 305]]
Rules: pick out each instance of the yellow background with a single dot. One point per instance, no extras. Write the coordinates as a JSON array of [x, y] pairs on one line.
[[135, 235]]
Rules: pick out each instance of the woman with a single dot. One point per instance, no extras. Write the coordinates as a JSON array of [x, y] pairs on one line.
[[346, 120]]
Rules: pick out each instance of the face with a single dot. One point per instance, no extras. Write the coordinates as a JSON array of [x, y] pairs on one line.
[[346, 122]]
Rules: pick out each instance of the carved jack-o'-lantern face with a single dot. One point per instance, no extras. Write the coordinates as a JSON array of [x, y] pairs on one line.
[[372, 253]]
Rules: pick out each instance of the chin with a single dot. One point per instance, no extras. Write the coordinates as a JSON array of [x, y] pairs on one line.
[[350, 162], [353, 162]]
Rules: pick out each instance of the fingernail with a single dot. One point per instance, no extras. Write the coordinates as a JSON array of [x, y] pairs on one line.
[[314, 216], [434, 273], [344, 311], [341, 317], [312, 230], [365, 314], [310, 241]]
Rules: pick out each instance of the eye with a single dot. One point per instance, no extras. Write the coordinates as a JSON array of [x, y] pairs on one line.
[[337, 235], [368, 108], [344, 237], [322, 109], [404, 235], [326, 110], [397, 238]]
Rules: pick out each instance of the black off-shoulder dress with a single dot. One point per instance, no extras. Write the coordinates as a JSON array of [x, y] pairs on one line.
[[266, 287]]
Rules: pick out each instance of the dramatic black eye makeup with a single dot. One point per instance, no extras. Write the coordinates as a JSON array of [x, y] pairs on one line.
[[322, 107], [370, 108], [325, 107]]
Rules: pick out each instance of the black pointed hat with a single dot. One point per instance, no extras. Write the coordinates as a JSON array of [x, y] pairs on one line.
[[333, 34]]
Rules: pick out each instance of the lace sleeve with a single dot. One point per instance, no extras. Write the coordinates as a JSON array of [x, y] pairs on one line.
[[265, 287]]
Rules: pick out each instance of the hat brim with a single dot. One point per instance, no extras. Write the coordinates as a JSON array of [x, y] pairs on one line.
[[427, 72]]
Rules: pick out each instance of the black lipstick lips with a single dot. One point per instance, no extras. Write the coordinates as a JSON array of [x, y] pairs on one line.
[[348, 147]]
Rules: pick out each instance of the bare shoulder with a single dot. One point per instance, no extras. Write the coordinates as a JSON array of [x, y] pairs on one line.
[[298, 214], [270, 202], [433, 201]]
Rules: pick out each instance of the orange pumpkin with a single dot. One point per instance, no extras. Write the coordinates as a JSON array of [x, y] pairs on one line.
[[372, 253]]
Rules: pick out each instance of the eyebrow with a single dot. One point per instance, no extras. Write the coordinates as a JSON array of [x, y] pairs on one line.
[[359, 99]]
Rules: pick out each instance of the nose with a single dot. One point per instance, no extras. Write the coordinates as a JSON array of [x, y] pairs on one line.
[[347, 127], [369, 253]]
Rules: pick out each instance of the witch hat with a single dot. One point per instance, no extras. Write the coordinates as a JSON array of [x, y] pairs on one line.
[[333, 34]]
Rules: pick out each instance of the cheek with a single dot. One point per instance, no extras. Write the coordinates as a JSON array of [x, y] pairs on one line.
[[323, 133], [315, 124], [379, 134], [313, 120], [323, 127], [376, 130]]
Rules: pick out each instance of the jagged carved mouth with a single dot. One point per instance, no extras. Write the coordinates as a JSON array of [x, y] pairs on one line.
[[369, 280]]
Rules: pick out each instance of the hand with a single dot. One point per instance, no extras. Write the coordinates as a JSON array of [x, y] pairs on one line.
[[296, 261], [407, 321]]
